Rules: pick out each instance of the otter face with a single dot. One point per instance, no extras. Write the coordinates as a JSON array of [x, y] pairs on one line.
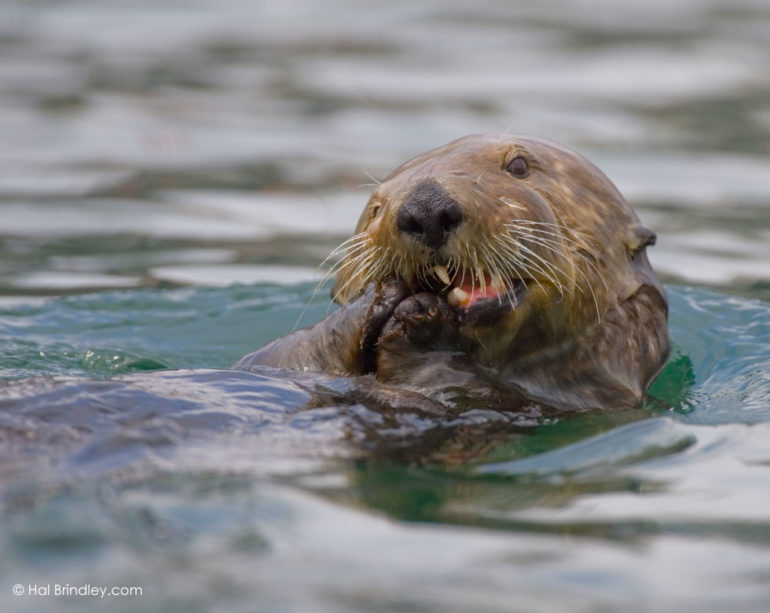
[[526, 240]]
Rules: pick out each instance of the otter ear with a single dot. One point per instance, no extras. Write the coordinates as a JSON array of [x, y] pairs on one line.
[[642, 237], [646, 236]]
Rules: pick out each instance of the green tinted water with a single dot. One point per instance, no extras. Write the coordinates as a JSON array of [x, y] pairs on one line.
[[171, 174], [114, 486]]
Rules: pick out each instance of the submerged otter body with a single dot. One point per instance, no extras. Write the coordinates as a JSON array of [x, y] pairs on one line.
[[508, 268]]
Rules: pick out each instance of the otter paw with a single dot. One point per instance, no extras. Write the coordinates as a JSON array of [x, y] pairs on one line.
[[422, 320], [383, 298]]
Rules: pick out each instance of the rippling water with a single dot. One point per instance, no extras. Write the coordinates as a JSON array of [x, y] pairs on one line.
[[171, 174]]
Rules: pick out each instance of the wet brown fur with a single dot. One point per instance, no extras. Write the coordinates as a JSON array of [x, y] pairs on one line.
[[592, 328]]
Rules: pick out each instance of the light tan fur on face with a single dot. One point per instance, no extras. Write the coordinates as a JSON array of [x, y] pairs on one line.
[[580, 320], [565, 228]]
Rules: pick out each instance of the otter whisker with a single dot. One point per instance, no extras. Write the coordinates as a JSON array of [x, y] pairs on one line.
[[550, 244], [354, 254], [547, 235], [584, 278], [395, 262], [515, 249], [360, 243], [350, 262], [532, 266], [501, 270], [593, 293], [481, 276], [515, 256], [527, 226], [551, 266], [360, 238], [375, 181], [313, 294], [361, 260], [474, 268], [580, 245], [553, 270], [366, 271], [451, 270], [342, 261], [513, 274], [550, 224], [552, 229], [422, 274], [578, 253], [513, 205]]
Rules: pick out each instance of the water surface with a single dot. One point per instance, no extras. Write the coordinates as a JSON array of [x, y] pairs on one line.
[[171, 174]]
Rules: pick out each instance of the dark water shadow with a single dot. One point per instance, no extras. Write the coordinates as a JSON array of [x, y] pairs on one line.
[[398, 452]]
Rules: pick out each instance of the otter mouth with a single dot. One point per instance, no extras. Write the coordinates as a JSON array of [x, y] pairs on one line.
[[445, 300], [476, 296]]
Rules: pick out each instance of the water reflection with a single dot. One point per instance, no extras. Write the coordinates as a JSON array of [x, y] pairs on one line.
[[109, 108], [146, 146]]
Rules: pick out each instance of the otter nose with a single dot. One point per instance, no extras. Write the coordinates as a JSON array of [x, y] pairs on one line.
[[429, 214]]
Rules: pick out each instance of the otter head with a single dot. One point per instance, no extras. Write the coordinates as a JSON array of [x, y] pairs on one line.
[[530, 244]]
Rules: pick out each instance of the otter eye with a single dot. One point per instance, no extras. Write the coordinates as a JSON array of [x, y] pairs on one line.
[[518, 167]]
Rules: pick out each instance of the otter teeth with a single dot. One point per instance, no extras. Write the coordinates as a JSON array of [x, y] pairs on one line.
[[443, 274], [458, 297]]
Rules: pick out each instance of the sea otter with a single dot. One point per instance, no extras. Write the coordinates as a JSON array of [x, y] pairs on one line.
[[505, 267]]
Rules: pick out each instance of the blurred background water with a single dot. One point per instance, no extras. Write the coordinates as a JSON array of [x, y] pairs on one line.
[[172, 173]]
